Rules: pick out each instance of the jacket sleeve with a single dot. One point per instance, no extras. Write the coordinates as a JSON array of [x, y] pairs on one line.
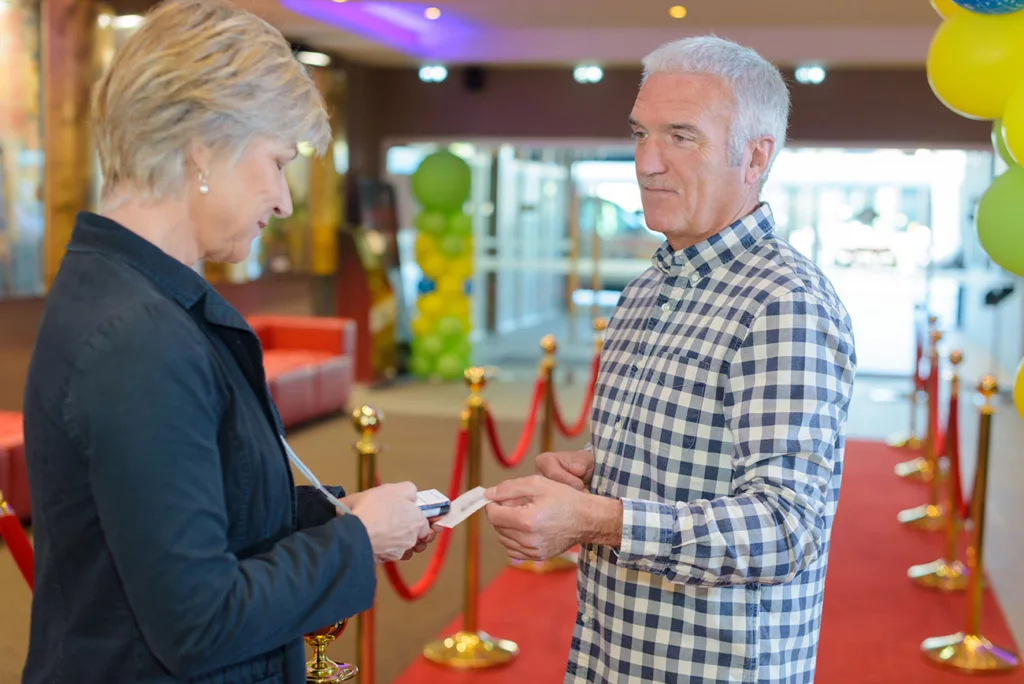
[[313, 508], [786, 399], [144, 406]]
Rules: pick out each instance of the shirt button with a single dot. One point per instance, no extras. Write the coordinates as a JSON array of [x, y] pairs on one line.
[[641, 362], [666, 307], [618, 426], [593, 555], [695, 278]]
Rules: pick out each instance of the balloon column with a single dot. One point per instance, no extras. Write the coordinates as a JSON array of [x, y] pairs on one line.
[[976, 68], [444, 252]]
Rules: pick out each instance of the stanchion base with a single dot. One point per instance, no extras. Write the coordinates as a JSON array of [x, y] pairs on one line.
[[566, 561], [940, 575], [912, 443], [471, 651], [928, 518], [970, 654], [330, 672], [917, 469]]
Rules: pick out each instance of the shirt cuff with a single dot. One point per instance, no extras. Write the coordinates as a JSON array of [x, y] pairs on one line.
[[650, 532]]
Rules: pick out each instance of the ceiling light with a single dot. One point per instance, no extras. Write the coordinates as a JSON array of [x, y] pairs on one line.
[[810, 74], [339, 1], [127, 21], [677, 11], [433, 73], [313, 58], [588, 73], [432, 13], [102, 20]]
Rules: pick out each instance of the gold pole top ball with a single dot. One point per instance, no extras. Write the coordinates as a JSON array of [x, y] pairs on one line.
[[988, 386], [956, 357], [936, 336], [367, 419], [932, 320], [548, 344], [600, 324], [476, 378]]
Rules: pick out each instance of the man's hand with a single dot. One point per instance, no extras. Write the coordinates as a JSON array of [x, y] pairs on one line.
[[424, 542], [573, 468], [536, 518]]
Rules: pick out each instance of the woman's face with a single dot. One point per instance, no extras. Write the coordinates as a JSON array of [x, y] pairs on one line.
[[242, 197]]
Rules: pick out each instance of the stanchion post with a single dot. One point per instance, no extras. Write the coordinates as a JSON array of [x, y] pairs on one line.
[[930, 516], [470, 648], [969, 651], [323, 670], [922, 468], [367, 421], [948, 573], [911, 442], [547, 370]]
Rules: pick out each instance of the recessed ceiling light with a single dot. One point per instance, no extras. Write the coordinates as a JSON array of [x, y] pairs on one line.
[[313, 58], [432, 13], [677, 11], [127, 21], [810, 74]]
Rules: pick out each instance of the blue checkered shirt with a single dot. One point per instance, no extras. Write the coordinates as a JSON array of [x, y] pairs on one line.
[[719, 421]]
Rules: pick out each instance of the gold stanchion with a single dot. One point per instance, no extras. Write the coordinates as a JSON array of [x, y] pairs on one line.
[[323, 670], [547, 371], [968, 651], [930, 516], [367, 421], [921, 468], [948, 573], [912, 442], [471, 648]]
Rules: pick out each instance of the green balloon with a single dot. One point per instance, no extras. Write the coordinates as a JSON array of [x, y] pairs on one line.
[[450, 367], [452, 246], [999, 143], [441, 182], [421, 366], [461, 224], [1000, 220], [430, 346], [451, 328], [431, 222]]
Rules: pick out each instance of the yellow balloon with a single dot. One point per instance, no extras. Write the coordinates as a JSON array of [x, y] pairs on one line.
[[974, 62], [422, 326], [946, 8], [434, 266], [431, 306], [1018, 390], [450, 286], [1013, 125], [458, 307], [426, 246]]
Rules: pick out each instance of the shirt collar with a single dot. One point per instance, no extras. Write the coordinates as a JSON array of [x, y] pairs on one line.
[[95, 233], [720, 249]]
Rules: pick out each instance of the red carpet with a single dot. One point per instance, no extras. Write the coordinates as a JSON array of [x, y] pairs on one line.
[[874, 617]]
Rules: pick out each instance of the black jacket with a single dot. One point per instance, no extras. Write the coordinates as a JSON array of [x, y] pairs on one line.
[[171, 542]]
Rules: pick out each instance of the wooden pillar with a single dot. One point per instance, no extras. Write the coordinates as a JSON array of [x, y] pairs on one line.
[[68, 32]]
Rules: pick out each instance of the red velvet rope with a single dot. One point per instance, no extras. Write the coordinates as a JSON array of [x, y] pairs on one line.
[[933, 407], [424, 583], [953, 451], [17, 541], [525, 437], [588, 400]]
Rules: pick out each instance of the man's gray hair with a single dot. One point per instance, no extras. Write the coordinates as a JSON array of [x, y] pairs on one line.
[[758, 89]]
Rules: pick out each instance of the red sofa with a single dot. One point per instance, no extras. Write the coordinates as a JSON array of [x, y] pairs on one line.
[[309, 363], [13, 473]]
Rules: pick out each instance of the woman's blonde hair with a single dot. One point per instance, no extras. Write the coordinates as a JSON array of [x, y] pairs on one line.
[[198, 71]]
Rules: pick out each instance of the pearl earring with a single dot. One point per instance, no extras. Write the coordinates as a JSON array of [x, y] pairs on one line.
[[203, 187]]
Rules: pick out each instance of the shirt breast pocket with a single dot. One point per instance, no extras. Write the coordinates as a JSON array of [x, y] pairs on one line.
[[685, 370]]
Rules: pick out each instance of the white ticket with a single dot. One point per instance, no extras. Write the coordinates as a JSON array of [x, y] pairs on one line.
[[464, 506]]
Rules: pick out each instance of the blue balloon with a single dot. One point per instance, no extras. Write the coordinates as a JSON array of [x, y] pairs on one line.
[[426, 286], [991, 6]]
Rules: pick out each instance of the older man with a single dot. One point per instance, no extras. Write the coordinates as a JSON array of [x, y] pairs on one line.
[[704, 501]]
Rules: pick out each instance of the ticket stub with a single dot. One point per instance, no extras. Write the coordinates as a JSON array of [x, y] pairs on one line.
[[432, 502], [464, 506]]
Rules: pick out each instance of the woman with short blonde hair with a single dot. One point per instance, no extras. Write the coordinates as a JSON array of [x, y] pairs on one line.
[[172, 544]]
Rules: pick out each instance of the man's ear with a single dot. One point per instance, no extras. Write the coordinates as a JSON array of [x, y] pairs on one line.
[[760, 156]]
